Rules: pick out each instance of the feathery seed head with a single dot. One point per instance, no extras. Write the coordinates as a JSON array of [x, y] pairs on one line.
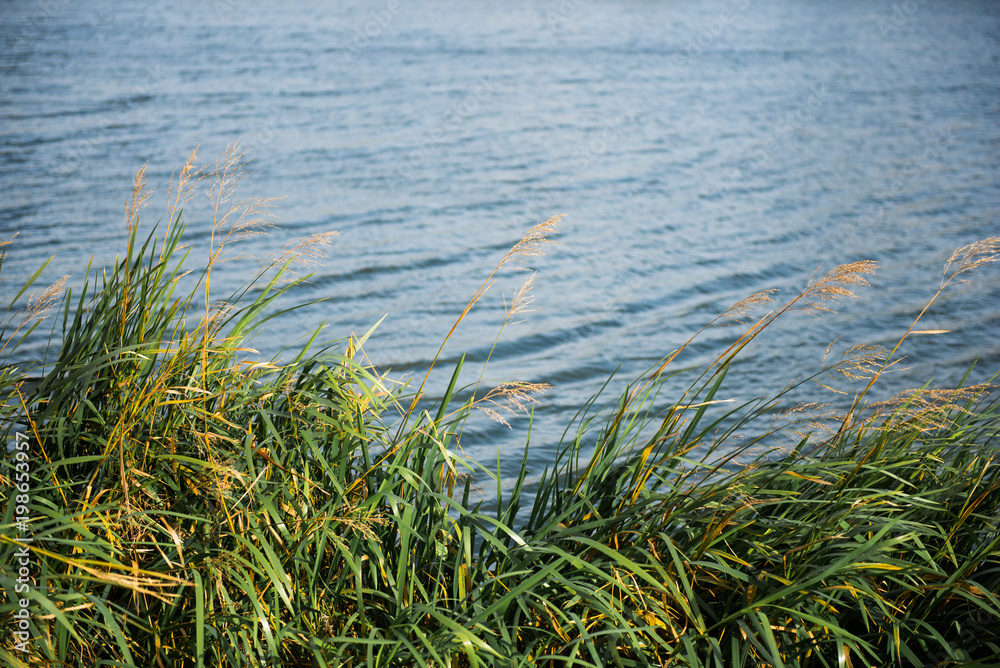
[[137, 200], [738, 313], [511, 398], [862, 361], [971, 257], [533, 240], [820, 295], [930, 409], [522, 299], [307, 252], [38, 307]]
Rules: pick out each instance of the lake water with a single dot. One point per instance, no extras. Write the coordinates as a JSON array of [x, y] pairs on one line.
[[701, 151]]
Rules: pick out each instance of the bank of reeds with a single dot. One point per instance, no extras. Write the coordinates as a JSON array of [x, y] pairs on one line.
[[184, 506]]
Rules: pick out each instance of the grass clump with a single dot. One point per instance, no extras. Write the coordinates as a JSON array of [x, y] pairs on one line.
[[184, 506]]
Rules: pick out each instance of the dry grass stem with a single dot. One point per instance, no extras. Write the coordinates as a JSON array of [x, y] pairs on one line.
[[706, 403]]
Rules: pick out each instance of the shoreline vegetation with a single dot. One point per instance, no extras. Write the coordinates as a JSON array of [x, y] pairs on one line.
[[170, 502]]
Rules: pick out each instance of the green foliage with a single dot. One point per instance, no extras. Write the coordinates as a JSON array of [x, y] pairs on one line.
[[190, 508]]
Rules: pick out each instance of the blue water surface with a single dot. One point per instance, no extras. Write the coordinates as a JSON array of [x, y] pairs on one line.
[[700, 151]]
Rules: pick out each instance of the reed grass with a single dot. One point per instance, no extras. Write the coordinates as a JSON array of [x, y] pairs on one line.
[[191, 507]]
